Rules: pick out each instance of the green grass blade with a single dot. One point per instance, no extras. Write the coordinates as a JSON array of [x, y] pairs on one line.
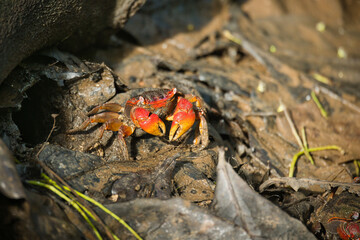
[[318, 104], [357, 167], [68, 193], [102, 207], [70, 201], [306, 149], [297, 155]]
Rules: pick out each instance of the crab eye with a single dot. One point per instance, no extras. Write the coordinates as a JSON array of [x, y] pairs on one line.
[[174, 90], [355, 216], [141, 99]]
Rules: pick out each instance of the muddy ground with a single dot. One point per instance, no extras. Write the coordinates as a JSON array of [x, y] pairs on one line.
[[257, 65]]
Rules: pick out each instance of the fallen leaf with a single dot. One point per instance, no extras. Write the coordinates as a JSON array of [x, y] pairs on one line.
[[237, 202]]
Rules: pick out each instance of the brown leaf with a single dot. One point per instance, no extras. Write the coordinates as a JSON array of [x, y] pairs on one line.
[[237, 202]]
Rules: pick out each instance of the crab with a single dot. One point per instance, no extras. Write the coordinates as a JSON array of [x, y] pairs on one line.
[[348, 228], [146, 111]]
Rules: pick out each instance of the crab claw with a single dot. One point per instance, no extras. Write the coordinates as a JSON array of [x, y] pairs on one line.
[[150, 123], [183, 119]]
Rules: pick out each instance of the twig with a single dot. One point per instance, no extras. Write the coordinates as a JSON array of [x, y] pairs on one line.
[[285, 206], [48, 137], [338, 174], [258, 114], [337, 97], [293, 129], [296, 135], [305, 183], [264, 166]]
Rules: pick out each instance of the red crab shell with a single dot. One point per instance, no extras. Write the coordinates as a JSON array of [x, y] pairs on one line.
[[348, 229]]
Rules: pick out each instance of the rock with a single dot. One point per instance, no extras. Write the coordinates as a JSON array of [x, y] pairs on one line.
[[170, 219], [75, 167], [27, 26], [10, 184]]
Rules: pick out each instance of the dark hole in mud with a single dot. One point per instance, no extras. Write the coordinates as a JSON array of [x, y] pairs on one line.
[[34, 119], [127, 37]]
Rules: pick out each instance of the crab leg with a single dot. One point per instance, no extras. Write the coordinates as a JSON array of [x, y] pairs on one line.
[[201, 134], [101, 133], [115, 125], [123, 131], [99, 118], [123, 147], [112, 107], [194, 99], [183, 119]]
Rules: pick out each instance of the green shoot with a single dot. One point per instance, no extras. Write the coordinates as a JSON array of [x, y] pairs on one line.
[[121, 221], [357, 167], [102, 207], [305, 145], [318, 104], [231, 37], [297, 155], [70, 201]]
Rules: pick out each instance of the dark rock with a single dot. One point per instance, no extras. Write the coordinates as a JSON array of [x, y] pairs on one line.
[[77, 167], [10, 184], [170, 219], [27, 26]]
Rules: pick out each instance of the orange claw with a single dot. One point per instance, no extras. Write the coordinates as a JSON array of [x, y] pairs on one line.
[[183, 119], [150, 123]]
